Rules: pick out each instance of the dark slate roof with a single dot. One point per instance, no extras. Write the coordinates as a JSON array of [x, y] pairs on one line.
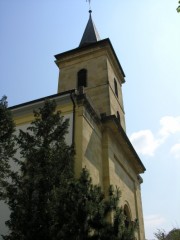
[[90, 34]]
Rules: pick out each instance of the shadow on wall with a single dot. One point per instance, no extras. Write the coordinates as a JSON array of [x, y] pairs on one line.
[[93, 155]]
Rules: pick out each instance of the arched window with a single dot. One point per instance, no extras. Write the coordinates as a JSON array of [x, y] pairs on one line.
[[118, 117], [127, 215], [115, 87], [82, 78]]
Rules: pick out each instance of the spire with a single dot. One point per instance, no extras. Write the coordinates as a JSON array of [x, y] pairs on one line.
[[90, 34]]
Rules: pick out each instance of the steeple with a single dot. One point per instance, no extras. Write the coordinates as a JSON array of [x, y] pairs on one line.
[[90, 34]]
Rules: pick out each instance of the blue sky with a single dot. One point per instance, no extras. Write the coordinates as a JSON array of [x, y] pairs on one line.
[[146, 37]]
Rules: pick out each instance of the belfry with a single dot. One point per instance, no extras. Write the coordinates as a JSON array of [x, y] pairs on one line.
[[90, 95]]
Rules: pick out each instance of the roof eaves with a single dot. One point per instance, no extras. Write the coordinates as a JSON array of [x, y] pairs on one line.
[[41, 99], [112, 118], [85, 47]]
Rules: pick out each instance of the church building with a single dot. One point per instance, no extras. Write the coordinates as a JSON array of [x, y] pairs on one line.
[[90, 96]]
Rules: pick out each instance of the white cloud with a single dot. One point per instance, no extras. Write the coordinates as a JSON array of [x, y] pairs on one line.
[[169, 125], [154, 220], [146, 142], [152, 223], [175, 150]]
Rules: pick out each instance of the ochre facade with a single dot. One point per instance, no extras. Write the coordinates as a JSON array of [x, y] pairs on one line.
[[100, 149], [100, 139]]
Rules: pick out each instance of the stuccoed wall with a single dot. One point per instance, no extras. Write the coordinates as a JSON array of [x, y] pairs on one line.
[[22, 122]]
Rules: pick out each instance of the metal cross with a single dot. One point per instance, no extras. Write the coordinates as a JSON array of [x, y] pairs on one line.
[[89, 4]]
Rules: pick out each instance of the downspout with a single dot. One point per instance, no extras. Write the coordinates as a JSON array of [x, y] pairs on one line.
[[73, 130]]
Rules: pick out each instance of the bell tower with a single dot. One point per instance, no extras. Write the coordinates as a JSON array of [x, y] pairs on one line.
[[101, 143], [94, 67]]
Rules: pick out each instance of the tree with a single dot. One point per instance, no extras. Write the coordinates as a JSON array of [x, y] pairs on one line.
[[178, 8], [85, 213], [174, 234], [45, 163], [46, 200], [7, 149], [160, 235]]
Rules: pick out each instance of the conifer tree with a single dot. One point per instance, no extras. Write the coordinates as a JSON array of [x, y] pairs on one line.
[[85, 213], [46, 200], [46, 162], [7, 149]]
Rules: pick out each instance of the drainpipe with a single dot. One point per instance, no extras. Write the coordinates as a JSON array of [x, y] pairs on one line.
[[73, 130]]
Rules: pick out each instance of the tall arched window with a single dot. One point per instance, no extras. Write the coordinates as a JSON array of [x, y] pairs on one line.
[[82, 78], [127, 215], [118, 117], [115, 87]]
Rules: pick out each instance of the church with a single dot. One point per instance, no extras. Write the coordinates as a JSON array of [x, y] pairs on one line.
[[90, 96]]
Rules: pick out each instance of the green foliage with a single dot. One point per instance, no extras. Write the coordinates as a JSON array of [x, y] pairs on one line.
[[178, 8], [174, 234], [46, 200], [160, 235], [46, 161], [85, 213], [6, 139]]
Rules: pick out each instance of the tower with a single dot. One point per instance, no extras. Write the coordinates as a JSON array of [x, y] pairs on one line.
[[95, 67], [101, 143]]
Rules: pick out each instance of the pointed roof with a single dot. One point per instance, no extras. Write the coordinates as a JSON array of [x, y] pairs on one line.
[[90, 34]]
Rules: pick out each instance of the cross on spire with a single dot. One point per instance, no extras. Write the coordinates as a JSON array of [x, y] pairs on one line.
[[90, 34], [89, 4]]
